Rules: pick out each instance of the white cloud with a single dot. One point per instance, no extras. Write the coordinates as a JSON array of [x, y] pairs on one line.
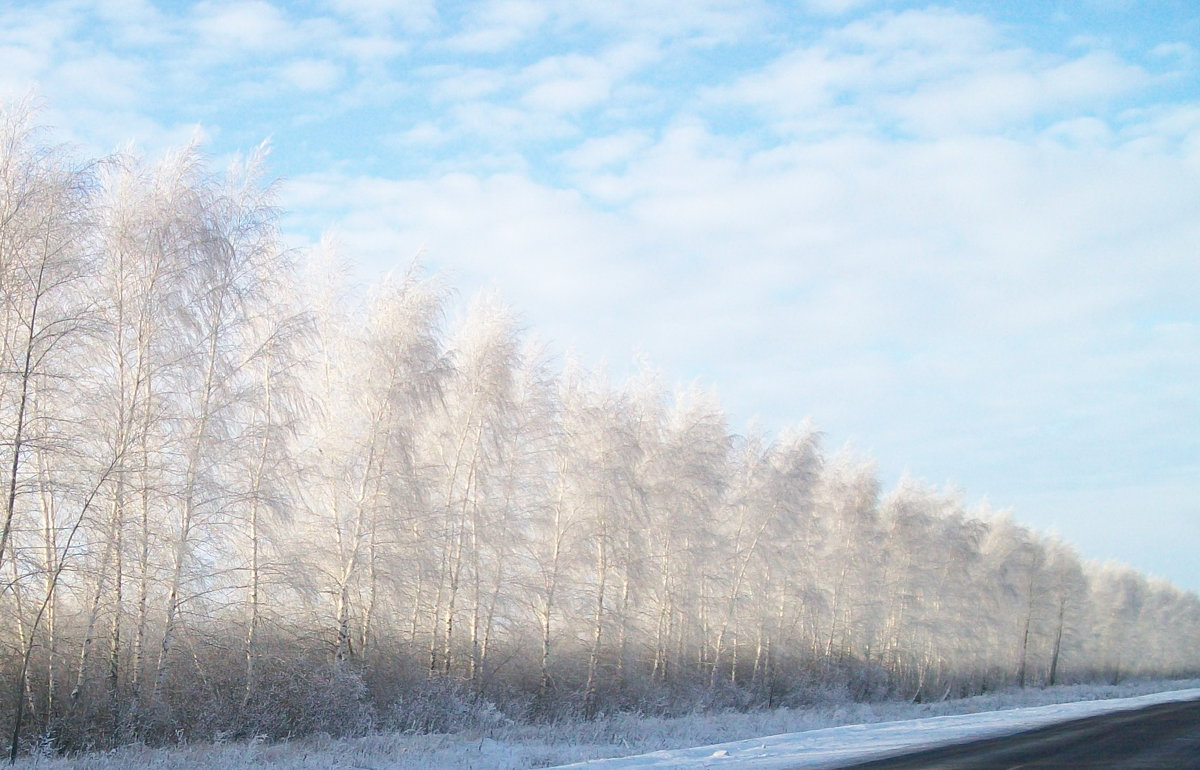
[[1167, 128], [369, 49], [932, 73], [939, 34], [28, 45], [700, 22], [836, 7], [1182, 53], [136, 22], [463, 84], [98, 131], [315, 75], [422, 135], [413, 15], [538, 101], [993, 98], [100, 78], [20, 73], [93, 97], [567, 84], [40, 31], [255, 29], [549, 253], [233, 27], [838, 81], [826, 246], [500, 24], [505, 125], [599, 153], [800, 83]]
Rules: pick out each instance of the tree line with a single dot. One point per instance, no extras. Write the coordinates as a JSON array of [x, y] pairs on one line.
[[242, 499]]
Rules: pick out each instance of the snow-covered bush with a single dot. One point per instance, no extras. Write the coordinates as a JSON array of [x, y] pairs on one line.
[[441, 704]]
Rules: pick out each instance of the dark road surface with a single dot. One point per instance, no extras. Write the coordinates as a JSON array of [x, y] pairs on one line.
[[1163, 737]]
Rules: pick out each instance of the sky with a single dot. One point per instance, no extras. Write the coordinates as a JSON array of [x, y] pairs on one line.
[[962, 237]]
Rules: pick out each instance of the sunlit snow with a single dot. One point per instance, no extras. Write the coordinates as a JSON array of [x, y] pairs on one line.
[[840, 746]]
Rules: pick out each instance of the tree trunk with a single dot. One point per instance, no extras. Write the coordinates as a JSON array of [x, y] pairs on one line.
[[1058, 635], [589, 690]]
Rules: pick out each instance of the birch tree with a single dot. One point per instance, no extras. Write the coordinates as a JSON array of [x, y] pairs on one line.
[[46, 250], [477, 399]]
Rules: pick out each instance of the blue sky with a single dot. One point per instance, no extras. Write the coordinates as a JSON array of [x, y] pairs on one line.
[[962, 237]]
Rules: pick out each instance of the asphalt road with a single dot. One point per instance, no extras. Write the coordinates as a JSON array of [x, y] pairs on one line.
[[1163, 737]]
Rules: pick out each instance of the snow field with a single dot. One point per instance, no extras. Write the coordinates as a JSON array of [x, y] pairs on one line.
[[838, 746], [799, 738]]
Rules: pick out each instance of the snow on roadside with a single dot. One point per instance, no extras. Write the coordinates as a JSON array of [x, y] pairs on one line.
[[838, 746], [520, 747]]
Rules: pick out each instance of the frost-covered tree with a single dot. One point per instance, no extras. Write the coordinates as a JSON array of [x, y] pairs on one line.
[[848, 499], [51, 474]]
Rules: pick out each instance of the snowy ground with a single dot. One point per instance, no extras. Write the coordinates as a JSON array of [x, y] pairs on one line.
[[800, 738], [839, 746]]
